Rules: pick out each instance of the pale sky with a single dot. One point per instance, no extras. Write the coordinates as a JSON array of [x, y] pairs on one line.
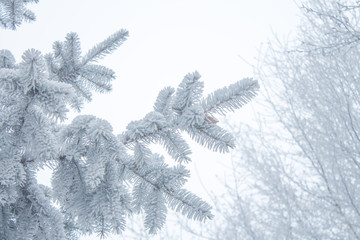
[[168, 39]]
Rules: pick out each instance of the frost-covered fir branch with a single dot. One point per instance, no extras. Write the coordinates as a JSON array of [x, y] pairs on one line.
[[230, 98], [152, 178], [66, 65], [187, 111], [34, 99], [14, 12], [98, 178]]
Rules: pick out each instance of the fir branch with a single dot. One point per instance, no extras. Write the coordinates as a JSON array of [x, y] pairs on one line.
[[51, 66], [94, 71], [178, 199], [73, 50], [7, 60], [139, 193], [2, 18], [176, 146], [105, 47], [190, 205], [212, 136], [99, 84], [84, 92], [188, 92], [230, 98], [176, 177], [101, 228], [29, 16], [58, 51], [142, 155], [155, 211], [163, 101], [8, 76], [97, 76], [146, 129], [11, 16], [66, 65], [13, 12]]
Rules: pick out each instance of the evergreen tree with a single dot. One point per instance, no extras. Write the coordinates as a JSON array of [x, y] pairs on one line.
[[98, 178]]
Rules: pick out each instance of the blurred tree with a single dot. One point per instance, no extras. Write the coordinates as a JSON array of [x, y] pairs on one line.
[[297, 172]]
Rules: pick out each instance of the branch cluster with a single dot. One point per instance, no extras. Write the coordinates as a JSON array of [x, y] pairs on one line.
[[98, 178]]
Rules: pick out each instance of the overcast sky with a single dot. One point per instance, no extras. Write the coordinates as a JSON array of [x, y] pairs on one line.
[[168, 39]]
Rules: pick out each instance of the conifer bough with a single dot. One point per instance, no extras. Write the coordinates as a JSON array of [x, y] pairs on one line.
[[98, 178]]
